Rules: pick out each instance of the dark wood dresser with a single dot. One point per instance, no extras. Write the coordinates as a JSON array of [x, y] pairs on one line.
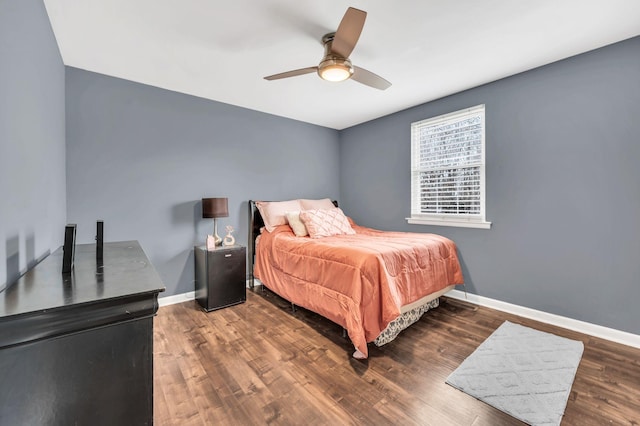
[[77, 349]]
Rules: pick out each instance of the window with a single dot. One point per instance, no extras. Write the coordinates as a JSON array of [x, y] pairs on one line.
[[447, 170]]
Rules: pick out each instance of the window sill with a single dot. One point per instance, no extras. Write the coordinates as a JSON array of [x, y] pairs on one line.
[[449, 222]]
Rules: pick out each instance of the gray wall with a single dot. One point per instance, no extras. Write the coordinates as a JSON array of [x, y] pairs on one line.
[[142, 158], [563, 186], [32, 138]]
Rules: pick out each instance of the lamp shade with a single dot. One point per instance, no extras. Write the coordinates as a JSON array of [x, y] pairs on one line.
[[215, 207]]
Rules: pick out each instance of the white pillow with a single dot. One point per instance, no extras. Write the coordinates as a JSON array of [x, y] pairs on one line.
[[296, 224], [323, 204], [274, 212]]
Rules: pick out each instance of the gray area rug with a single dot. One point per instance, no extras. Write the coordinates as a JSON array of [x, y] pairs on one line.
[[524, 372]]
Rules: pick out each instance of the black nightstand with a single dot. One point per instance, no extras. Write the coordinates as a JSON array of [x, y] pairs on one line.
[[220, 276]]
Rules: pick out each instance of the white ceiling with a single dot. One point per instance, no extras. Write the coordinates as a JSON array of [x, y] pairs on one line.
[[428, 49]]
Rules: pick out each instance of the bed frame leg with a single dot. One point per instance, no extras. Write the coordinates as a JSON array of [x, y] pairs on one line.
[[293, 308]]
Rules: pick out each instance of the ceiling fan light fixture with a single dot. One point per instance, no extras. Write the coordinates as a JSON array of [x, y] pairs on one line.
[[335, 69], [338, 45]]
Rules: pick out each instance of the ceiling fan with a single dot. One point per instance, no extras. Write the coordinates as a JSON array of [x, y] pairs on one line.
[[336, 65]]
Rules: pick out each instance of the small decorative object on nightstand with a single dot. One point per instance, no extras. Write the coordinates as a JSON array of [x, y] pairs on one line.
[[229, 240], [220, 276], [211, 242]]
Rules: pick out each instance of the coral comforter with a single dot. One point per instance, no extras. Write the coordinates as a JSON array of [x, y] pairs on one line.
[[358, 281]]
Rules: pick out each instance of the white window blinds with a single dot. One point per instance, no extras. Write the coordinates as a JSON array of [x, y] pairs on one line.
[[447, 167]]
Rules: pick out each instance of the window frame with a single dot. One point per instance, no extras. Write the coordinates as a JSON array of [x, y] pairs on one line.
[[449, 219]]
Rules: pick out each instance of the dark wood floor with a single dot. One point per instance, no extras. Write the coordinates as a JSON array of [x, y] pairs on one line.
[[259, 363]]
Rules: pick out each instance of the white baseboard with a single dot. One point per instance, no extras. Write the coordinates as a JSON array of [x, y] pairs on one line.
[[176, 298], [606, 333], [179, 298]]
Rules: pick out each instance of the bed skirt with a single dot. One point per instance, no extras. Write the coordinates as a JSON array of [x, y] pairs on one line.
[[404, 321]]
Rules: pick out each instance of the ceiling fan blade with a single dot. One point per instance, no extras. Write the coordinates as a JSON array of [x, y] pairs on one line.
[[370, 79], [348, 32], [292, 73]]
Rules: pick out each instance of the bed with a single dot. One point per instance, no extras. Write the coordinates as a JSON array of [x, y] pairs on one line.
[[373, 283]]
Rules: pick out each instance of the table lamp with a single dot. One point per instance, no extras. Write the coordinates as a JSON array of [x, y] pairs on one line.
[[215, 208]]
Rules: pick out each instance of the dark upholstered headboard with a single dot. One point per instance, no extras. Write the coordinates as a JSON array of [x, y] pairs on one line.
[[255, 224]]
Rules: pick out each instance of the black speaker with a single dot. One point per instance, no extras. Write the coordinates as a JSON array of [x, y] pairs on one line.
[[99, 239], [69, 248]]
